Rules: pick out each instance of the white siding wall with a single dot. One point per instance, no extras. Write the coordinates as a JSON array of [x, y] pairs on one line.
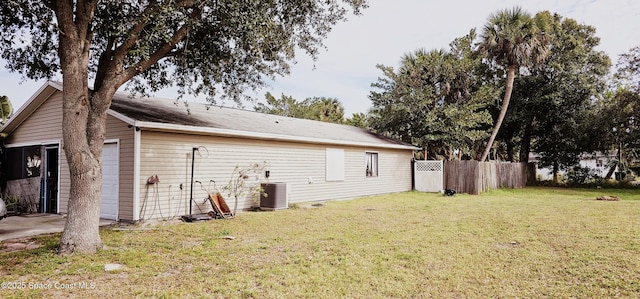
[[168, 155], [45, 126]]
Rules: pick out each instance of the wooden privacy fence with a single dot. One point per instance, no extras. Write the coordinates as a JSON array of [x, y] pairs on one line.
[[474, 177]]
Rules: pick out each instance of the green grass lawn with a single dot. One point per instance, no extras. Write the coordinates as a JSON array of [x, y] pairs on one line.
[[529, 243]]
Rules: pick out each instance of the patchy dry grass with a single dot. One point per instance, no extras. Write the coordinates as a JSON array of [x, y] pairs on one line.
[[536, 242]]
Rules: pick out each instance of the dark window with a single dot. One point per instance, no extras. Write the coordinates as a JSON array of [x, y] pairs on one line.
[[12, 163], [22, 162], [599, 163]]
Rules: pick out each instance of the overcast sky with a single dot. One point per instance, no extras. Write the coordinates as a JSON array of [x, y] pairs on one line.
[[389, 29]]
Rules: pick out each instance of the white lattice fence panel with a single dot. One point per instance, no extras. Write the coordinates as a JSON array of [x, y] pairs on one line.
[[429, 176]]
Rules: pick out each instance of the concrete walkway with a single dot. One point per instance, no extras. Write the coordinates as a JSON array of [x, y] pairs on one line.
[[22, 226]]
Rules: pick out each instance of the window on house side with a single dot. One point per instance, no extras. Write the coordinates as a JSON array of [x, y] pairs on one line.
[[599, 163], [372, 164]]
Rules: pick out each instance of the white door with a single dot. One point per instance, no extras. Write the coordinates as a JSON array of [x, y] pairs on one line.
[[109, 202]]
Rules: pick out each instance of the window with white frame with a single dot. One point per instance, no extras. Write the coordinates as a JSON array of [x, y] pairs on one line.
[[371, 160]]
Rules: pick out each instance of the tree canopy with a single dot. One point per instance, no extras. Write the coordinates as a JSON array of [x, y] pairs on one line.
[[628, 73], [572, 78], [316, 108], [434, 99]]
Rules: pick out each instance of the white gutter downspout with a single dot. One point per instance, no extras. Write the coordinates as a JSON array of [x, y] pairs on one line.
[[136, 173]]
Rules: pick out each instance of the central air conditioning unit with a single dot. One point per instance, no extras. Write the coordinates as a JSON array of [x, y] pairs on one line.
[[274, 196]]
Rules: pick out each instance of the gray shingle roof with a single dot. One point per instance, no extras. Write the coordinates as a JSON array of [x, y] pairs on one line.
[[197, 115]]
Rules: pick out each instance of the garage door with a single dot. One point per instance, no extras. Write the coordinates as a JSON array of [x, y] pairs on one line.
[[109, 202]]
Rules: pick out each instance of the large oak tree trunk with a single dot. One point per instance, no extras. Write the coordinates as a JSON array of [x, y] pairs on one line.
[[83, 121], [81, 231], [84, 118], [83, 138], [511, 74], [84, 158]]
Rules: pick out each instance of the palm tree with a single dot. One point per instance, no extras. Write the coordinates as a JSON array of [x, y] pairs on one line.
[[512, 38], [326, 109]]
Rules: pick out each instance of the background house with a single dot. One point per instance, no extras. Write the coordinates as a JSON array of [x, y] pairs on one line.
[[596, 161], [157, 137]]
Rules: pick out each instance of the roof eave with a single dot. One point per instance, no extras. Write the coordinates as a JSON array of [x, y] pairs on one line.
[[154, 126], [128, 120], [35, 101]]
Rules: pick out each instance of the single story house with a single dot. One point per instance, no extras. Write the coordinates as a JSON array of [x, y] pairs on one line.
[[151, 137], [596, 161]]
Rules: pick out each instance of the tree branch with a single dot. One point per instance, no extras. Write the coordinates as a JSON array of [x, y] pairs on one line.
[[103, 63], [162, 52], [134, 34], [64, 14]]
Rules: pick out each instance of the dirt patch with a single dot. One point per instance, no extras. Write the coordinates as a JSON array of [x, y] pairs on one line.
[[18, 245]]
